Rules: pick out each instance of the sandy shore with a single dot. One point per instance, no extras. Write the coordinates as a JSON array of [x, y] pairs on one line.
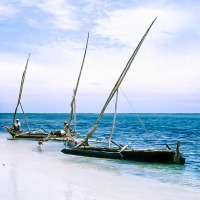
[[29, 172]]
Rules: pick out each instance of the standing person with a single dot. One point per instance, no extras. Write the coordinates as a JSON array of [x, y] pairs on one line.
[[16, 125]]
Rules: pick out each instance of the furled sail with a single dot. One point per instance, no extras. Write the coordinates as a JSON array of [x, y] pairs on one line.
[[116, 86], [20, 94]]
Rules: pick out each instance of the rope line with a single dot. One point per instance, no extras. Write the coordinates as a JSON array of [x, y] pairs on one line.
[[141, 122]]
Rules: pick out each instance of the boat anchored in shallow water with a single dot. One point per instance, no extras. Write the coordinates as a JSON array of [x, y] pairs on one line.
[[123, 152], [83, 148]]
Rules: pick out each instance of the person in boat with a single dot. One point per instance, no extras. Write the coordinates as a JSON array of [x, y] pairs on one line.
[[16, 125], [63, 132]]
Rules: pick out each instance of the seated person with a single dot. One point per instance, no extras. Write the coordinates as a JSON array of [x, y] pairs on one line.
[[63, 132], [16, 125]]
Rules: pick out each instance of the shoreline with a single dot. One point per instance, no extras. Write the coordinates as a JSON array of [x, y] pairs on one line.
[[29, 171]]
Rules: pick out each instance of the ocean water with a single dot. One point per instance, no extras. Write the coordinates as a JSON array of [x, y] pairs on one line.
[[140, 131]]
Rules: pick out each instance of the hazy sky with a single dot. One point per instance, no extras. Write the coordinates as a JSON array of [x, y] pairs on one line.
[[164, 77]]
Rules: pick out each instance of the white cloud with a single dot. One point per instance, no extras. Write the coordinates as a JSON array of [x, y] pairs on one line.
[[126, 26], [92, 7], [7, 10], [60, 13], [167, 63]]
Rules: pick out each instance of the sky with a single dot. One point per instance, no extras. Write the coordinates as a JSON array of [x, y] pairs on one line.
[[163, 78]]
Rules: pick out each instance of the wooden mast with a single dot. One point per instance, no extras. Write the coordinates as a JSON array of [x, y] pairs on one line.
[[73, 106], [20, 94], [114, 118], [116, 86], [25, 117], [75, 114]]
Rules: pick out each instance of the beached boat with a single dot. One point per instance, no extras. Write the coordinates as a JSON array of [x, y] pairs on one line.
[[125, 153], [17, 134], [83, 148], [25, 135]]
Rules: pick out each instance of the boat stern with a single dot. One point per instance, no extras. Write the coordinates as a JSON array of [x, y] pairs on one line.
[[178, 158]]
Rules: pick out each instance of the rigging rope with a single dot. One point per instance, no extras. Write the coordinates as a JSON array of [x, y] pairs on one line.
[[141, 122]]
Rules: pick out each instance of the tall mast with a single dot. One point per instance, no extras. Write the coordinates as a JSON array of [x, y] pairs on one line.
[[73, 106], [114, 118], [20, 94], [118, 83]]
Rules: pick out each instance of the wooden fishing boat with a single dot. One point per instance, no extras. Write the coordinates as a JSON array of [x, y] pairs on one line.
[[17, 134], [83, 147], [25, 135], [144, 155]]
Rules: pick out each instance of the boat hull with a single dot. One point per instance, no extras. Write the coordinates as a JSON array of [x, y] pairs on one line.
[[98, 153], [159, 156], [25, 135]]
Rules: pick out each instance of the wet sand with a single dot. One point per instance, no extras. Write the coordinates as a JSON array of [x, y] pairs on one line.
[[29, 171]]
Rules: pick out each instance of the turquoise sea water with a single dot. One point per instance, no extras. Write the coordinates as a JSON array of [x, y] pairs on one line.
[[151, 131]]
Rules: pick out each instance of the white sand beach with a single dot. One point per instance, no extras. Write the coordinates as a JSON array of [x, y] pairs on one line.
[[29, 171]]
